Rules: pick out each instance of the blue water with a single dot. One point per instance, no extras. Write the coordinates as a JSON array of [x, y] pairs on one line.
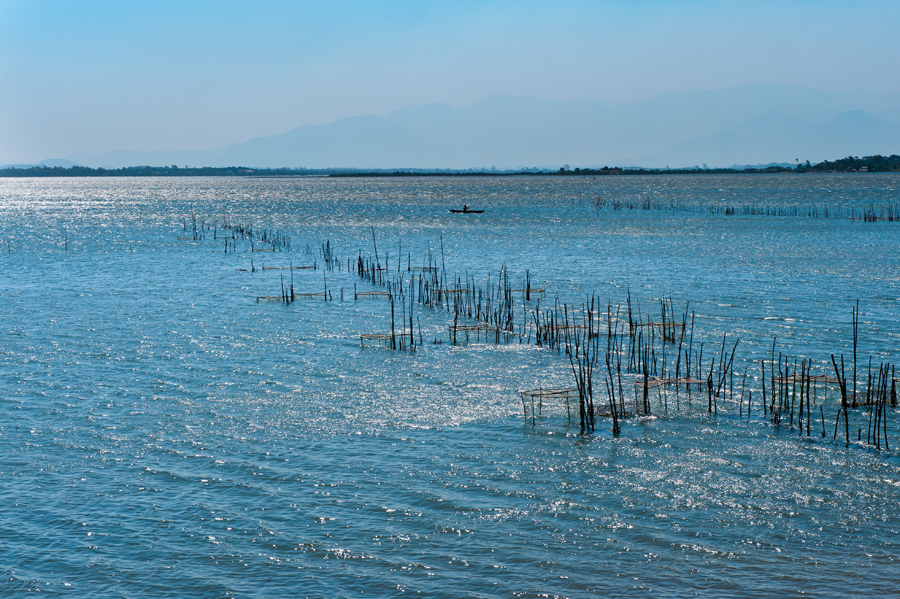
[[163, 434]]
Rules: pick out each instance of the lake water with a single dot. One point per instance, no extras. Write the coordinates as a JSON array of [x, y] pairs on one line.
[[164, 434]]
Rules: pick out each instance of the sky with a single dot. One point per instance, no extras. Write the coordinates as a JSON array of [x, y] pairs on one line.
[[94, 76]]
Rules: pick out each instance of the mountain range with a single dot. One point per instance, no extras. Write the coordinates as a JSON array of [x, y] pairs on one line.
[[747, 124]]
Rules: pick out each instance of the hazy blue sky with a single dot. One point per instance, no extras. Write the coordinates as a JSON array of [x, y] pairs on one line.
[[92, 76]]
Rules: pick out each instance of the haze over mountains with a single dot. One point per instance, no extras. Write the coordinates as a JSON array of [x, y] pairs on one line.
[[747, 124]]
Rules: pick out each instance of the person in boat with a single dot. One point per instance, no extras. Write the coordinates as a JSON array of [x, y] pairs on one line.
[[465, 207]]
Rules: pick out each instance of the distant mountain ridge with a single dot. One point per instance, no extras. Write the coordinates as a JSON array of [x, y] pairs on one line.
[[747, 124], [60, 162]]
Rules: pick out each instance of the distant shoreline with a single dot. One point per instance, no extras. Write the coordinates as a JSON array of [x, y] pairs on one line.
[[870, 164]]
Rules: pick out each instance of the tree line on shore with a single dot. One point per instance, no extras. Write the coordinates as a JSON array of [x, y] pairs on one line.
[[876, 163]]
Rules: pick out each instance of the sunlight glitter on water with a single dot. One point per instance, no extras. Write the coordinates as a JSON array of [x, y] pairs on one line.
[[162, 429]]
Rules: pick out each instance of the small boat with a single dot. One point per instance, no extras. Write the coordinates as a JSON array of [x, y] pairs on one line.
[[465, 210]]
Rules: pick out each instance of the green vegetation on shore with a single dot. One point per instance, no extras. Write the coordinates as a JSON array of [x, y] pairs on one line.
[[875, 163], [872, 164]]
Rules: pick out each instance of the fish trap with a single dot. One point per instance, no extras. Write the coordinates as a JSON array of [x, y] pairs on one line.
[[364, 295], [309, 296], [400, 340], [533, 400], [478, 333]]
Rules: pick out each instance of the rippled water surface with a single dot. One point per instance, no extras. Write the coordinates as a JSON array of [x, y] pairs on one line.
[[163, 434]]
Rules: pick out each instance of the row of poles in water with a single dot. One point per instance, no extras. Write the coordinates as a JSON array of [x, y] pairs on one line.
[[657, 352], [871, 213]]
